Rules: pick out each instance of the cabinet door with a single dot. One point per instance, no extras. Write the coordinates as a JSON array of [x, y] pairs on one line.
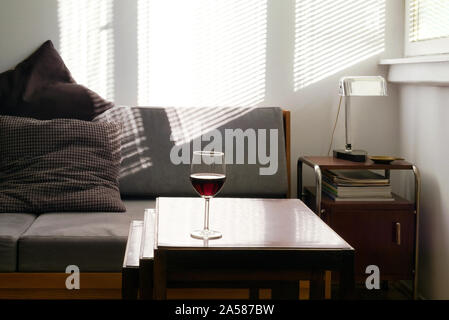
[[381, 238]]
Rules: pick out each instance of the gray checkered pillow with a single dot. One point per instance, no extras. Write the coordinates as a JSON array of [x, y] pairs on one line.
[[59, 165]]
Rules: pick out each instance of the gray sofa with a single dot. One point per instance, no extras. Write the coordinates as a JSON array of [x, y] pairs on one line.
[[95, 242]]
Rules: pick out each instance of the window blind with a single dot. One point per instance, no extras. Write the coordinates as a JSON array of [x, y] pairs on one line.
[[428, 19]]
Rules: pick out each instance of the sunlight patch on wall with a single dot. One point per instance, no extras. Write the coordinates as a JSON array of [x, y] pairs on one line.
[[331, 35], [87, 43], [201, 52]]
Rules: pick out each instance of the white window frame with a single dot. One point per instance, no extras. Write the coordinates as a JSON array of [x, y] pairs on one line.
[[425, 47]]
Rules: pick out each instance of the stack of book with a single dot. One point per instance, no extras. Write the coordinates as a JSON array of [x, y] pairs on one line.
[[356, 185]]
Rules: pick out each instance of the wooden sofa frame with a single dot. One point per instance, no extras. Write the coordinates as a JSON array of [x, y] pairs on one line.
[[108, 285]]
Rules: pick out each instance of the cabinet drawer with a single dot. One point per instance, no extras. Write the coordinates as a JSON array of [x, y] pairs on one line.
[[382, 233], [383, 238]]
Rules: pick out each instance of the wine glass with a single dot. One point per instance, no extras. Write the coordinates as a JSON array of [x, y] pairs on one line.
[[207, 174]]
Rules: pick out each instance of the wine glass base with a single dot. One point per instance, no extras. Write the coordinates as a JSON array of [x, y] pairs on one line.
[[206, 234]]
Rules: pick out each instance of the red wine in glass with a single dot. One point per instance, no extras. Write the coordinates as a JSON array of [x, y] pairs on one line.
[[207, 184], [207, 175]]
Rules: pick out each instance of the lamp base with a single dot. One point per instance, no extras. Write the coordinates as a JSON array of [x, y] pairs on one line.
[[353, 155]]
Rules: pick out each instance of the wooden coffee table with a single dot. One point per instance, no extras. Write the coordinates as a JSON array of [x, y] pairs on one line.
[[266, 243]]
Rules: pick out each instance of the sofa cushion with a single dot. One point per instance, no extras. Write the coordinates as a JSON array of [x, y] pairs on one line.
[[42, 87], [59, 165], [12, 226], [95, 242], [150, 134]]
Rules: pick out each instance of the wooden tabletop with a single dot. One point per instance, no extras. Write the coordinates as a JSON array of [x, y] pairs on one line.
[[245, 224], [332, 163]]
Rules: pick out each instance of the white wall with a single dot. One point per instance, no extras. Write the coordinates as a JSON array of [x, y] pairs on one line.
[[314, 108], [424, 133], [24, 24]]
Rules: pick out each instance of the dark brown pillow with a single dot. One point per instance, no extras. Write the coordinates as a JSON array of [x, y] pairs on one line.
[[42, 87], [6, 88], [59, 165]]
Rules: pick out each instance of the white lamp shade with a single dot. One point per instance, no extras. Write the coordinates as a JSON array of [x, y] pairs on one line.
[[363, 86]]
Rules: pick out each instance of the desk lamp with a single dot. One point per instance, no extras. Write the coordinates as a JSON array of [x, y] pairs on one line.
[[360, 87]]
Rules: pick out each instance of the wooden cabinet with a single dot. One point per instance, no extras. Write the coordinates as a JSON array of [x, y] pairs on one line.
[[384, 234], [381, 233]]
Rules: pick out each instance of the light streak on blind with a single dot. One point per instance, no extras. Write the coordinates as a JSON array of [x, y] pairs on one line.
[[134, 147], [87, 43], [332, 35], [428, 19], [187, 124], [201, 52]]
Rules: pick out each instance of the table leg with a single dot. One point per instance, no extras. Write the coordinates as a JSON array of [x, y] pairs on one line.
[[130, 283], [299, 180], [285, 290], [317, 286], [146, 271], [318, 190], [254, 293], [347, 280], [160, 275], [417, 205]]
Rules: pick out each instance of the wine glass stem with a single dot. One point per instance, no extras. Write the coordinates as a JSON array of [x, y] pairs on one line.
[[206, 214]]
